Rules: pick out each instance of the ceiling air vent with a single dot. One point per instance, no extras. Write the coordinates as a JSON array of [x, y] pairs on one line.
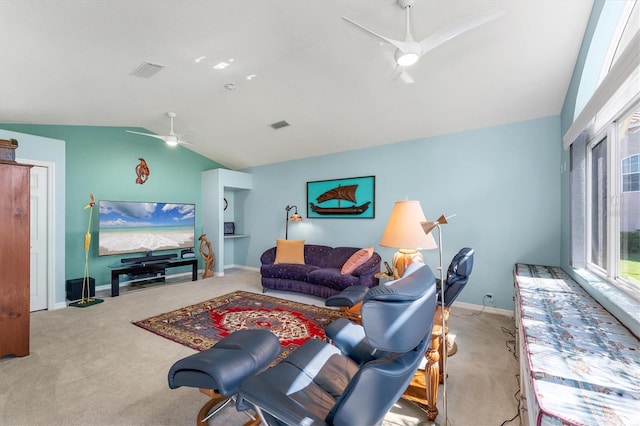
[[147, 70], [279, 124]]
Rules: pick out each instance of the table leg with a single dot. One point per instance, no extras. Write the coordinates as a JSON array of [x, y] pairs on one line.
[[194, 270], [115, 283], [432, 373]]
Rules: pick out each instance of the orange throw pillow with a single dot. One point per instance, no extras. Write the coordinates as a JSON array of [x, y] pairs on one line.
[[356, 260], [290, 251]]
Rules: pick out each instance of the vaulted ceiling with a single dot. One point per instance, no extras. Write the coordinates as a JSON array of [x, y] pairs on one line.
[[71, 62]]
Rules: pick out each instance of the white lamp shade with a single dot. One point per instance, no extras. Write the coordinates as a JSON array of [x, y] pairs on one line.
[[404, 229]]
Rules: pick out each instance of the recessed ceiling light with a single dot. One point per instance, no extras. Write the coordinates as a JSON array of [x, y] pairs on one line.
[[230, 86], [201, 58], [251, 76], [221, 65]]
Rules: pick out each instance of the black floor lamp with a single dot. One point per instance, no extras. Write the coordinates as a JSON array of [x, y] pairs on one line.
[[295, 217]]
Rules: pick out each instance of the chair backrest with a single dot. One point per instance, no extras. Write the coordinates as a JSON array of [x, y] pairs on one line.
[[458, 274], [397, 318]]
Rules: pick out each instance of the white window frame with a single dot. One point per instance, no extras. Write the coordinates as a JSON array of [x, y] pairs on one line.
[[609, 131]]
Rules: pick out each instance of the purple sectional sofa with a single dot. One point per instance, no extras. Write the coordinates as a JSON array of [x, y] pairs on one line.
[[320, 275]]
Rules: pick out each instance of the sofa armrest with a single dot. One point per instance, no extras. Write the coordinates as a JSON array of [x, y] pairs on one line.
[[370, 267], [268, 257]]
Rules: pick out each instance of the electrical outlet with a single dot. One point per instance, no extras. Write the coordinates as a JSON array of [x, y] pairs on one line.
[[489, 296]]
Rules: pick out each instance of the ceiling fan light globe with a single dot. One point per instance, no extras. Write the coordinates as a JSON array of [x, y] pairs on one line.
[[406, 59], [171, 140]]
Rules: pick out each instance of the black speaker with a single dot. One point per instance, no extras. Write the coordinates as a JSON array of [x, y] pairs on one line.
[[74, 288], [229, 228]]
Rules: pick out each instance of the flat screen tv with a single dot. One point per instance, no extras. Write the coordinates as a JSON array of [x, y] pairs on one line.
[[135, 227]]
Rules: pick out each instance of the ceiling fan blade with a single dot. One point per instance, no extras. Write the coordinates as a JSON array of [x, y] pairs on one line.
[[400, 73], [402, 45], [406, 78], [148, 134], [445, 34]]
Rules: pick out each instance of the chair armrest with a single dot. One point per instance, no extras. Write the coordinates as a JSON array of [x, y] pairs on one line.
[[351, 340], [349, 297], [261, 394]]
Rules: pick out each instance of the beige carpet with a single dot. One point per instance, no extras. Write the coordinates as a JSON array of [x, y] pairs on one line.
[[92, 366]]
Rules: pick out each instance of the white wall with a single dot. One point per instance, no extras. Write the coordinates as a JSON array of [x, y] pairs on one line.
[[38, 148]]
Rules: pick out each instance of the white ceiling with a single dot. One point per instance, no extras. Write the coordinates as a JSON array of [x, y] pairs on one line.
[[69, 62]]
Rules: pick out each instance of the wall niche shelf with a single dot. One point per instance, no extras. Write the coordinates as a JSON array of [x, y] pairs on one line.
[[230, 237], [218, 186]]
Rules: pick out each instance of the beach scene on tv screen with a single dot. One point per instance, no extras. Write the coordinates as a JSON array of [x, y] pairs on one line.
[[134, 227]]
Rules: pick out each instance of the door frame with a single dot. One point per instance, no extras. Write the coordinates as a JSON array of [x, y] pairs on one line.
[[51, 264]]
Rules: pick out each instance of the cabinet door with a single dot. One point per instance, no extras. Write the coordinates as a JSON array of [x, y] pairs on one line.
[[14, 260]]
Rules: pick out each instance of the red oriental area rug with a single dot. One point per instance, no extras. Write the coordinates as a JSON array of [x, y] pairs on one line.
[[201, 326]]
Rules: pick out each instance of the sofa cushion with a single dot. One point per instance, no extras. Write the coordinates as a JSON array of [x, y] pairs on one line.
[[287, 271], [331, 277], [315, 254], [357, 259], [339, 255], [290, 251]]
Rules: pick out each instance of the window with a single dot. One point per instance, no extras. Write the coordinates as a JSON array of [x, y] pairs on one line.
[[631, 174], [598, 204], [629, 135], [613, 201], [605, 166]]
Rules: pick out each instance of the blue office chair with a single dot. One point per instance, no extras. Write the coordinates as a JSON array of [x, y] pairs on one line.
[[318, 384]]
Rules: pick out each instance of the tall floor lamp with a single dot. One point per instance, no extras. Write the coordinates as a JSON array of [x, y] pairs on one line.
[[428, 227], [295, 217]]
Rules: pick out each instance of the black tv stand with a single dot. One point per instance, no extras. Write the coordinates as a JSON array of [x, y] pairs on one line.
[[148, 258], [149, 267]]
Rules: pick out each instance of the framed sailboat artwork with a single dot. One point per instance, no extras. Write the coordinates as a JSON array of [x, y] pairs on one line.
[[349, 198]]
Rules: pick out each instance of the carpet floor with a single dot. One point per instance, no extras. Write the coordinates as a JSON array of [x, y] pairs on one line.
[[92, 366], [202, 325]]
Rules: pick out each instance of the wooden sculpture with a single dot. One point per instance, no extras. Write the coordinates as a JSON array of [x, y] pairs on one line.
[[207, 254], [142, 171]]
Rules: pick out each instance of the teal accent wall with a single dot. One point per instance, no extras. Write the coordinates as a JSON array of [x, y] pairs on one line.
[[503, 184], [102, 161]]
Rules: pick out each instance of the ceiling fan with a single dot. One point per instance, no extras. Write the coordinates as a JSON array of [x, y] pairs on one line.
[[172, 139], [408, 51]]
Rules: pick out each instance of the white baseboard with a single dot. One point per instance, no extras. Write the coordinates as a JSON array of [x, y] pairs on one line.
[[248, 268], [59, 305], [489, 309]]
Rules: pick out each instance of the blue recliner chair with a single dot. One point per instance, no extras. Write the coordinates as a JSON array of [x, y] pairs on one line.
[[318, 384], [456, 279], [457, 275]]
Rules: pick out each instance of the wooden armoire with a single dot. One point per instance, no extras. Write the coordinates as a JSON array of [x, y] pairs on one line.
[[14, 258]]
